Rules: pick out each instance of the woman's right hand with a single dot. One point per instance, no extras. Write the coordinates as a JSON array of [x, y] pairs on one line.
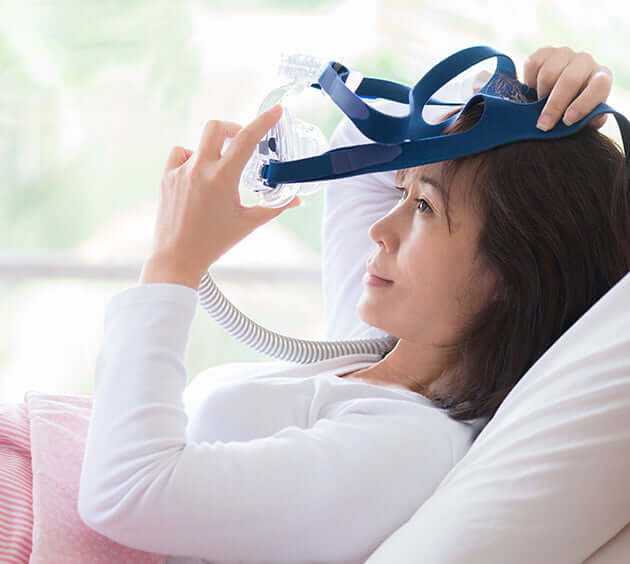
[[575, 82]]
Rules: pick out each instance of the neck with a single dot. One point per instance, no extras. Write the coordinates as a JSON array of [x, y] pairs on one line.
[[409, 364]]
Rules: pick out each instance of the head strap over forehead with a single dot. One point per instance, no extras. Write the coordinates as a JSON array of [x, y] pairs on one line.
[[409, 141]]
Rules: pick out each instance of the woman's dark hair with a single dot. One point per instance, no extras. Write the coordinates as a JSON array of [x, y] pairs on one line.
[[556, 235]]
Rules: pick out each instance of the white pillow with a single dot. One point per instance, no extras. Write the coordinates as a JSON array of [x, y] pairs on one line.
[[547, 480]]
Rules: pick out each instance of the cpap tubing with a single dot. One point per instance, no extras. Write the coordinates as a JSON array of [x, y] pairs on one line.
[[275, 344]]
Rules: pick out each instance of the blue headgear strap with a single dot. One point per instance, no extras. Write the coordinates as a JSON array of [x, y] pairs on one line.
[[407, 141]]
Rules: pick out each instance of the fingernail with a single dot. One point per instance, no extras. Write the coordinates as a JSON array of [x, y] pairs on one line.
[[570, 117], [544, 122]]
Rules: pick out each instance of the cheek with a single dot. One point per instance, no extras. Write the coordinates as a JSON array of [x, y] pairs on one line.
[[430, 265], [438, 271]]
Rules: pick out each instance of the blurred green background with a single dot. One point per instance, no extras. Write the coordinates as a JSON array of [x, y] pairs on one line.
[[94, 95]]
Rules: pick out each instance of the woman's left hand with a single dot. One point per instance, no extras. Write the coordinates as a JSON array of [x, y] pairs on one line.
[[575, 83], [200, 215]]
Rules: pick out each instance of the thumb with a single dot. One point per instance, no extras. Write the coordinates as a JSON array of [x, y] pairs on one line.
[[260, 215], [177, 157]]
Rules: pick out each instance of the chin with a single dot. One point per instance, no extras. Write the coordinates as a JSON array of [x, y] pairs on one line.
[[401, 330], [369, 320]]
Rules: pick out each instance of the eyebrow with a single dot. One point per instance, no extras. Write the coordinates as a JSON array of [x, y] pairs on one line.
[[438, 187]]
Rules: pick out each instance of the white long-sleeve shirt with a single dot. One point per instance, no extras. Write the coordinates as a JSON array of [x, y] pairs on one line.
[[290, 465], [263, 462]]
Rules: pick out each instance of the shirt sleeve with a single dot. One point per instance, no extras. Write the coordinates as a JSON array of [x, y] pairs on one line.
[[351, 206], [330, 492]]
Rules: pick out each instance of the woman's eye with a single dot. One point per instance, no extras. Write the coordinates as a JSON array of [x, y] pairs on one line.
[[423, 205], [426, 207]]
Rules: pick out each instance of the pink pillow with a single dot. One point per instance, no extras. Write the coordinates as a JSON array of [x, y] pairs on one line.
[[16, 508], [59, 427]]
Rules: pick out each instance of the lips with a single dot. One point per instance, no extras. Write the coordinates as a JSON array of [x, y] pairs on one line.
[[374, 272]]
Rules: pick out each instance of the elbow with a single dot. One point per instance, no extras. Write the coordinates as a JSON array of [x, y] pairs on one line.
[[94, 514], [102, 510], [123, 501], [85, 507], [121, 510], [87, 513]]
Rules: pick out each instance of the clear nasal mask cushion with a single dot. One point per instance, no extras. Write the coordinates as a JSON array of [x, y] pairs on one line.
[[291, 138]]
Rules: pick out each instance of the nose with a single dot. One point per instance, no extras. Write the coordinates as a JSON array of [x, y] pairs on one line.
[[383, 231]]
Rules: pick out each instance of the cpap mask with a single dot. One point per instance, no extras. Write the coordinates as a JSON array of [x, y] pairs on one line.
[[294, 157]]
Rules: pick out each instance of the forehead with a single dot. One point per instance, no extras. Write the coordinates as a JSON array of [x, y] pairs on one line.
[[432, 170], [457, 180], [423, 177]]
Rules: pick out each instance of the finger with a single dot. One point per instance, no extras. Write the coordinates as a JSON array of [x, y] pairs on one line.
[[568, 85], [532, 65], [177, 157], [213, 137], [243, 145], [596, 91], [551, 69]]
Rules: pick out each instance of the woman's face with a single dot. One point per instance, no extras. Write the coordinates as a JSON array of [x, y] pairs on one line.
[[436, 281]]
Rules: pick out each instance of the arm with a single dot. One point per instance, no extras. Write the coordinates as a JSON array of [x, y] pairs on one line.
[[300, 494]]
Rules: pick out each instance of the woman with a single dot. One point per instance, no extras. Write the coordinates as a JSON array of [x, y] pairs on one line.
[[310, 464], [301, 465]]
